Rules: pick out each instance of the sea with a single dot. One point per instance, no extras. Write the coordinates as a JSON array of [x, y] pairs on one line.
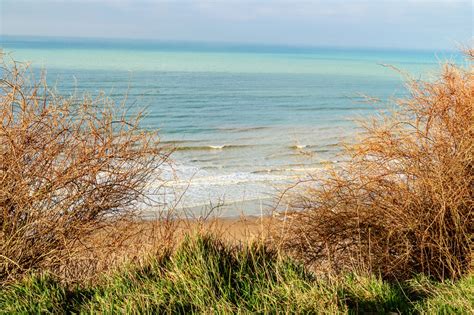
[[245, 121]]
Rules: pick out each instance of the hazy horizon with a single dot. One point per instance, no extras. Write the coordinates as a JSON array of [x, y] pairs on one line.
[[218, 45], [404, 24]]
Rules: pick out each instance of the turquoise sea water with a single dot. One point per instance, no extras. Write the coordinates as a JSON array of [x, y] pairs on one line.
[[245, 120]]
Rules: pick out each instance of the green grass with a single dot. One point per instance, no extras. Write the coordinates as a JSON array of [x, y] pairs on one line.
[[205, 275]]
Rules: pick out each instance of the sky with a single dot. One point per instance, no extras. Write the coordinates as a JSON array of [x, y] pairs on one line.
[[417, 24]]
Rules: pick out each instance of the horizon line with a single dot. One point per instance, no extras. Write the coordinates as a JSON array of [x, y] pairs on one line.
[[226, 43]]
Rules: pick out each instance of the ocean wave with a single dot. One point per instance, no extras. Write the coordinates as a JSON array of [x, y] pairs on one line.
[[211, 147], [242, 129], [178, 142], [299, 146], [214, 180], [289, 171], [315, 149]]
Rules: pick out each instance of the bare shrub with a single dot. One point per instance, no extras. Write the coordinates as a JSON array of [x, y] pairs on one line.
[[403, 202], [68, 167]]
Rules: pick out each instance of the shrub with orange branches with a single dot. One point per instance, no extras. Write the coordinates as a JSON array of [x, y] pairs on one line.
[[403, 202], [68, 167]]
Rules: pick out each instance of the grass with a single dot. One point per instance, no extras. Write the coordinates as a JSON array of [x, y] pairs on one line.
[[206, 275]]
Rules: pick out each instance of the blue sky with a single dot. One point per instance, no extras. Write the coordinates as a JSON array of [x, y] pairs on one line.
[[420, 24]]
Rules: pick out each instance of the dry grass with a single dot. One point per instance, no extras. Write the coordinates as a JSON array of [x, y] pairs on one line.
[[68, 168], [403, 202], [136, 240]]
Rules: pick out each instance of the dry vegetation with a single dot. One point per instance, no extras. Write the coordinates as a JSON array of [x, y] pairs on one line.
[[403, 203], [69, 167], [74, 172]]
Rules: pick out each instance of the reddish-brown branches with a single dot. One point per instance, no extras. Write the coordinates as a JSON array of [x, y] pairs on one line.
[[68, 166], [403, 204]]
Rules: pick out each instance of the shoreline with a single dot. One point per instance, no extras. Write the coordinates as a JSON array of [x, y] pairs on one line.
[[251, 208], [242, 228]]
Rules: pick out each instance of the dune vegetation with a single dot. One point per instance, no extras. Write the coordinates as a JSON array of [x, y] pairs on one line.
[[69, 167], [204, 275], [403, 202], [388, 231]]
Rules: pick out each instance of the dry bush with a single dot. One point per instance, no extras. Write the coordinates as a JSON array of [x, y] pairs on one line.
[[69, 167], [403, 202]]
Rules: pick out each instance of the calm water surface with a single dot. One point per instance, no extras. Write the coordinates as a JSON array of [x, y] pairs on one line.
[[245, 120]]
